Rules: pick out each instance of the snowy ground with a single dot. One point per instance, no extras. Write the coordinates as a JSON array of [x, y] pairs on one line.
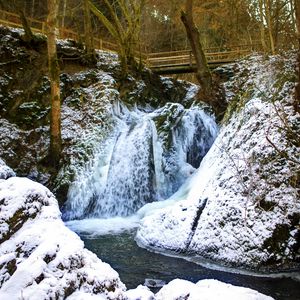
[[242, 206], [40, 258]]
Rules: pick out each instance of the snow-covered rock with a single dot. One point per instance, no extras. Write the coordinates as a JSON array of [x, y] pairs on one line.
[[208, 289], [140, 293], [242, 206], [5, 171], [40, 258]]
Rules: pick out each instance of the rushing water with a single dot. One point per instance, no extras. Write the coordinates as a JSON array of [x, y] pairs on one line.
[[135, 264], [146, 158]]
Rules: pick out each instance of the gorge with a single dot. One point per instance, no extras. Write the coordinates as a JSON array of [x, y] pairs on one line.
[[148, 162]]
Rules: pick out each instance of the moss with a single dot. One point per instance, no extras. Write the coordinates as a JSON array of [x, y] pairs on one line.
[[29, 113]]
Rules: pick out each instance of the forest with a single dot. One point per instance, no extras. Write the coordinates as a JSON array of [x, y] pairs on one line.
[[150, 149]]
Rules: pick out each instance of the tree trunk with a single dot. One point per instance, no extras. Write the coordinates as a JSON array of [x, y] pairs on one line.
[[28, 33], [64, 14], [203, 73], [262, 26], [297, 10], [55, 122], [32, 8], [88, 33], [28, 36], [270, 25]]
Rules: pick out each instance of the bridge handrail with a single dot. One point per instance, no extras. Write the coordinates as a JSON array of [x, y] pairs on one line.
[[151, 59], [189, 59], [207, 50]]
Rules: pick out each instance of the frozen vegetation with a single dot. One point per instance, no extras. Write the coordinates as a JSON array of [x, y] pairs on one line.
[[5, 171]]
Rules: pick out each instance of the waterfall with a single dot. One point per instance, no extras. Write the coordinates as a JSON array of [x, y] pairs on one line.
[[146, 158], [131, 178]]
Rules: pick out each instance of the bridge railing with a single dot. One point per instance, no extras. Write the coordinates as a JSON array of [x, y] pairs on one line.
[[187, 58], [13, 20], [37, 26], [158, 59]]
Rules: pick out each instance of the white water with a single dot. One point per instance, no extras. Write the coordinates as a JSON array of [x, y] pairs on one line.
[[145, 160]]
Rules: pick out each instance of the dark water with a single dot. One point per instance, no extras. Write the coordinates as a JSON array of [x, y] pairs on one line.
[[134, 264]]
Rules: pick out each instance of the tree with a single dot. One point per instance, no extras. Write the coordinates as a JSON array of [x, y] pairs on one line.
[[203, 73], [124, 28], [297, 11], [88, 33], [55, 119]]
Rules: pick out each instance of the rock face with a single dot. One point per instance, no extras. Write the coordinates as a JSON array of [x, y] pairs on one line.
[[39, 257], [242, 206]]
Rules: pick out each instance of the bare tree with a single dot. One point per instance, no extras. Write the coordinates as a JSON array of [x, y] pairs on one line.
[[88, 33], [55, 122], [124, 28], [203, 73], [297, 11]]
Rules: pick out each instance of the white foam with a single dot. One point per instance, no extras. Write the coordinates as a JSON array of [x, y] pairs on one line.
[[97, 227]]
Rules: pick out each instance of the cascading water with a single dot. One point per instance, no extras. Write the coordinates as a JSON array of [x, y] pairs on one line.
[[146, 159], [131, 176]]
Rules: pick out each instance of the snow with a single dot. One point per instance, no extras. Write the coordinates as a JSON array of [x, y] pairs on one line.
[[94, 227], [40, 257], [208, 289], [5, 171], [248, 188], [140, 293]]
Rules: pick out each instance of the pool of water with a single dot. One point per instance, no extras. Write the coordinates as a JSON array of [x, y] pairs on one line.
[[135, 264]]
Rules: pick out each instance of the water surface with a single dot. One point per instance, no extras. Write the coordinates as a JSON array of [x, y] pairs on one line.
[[135, 264]]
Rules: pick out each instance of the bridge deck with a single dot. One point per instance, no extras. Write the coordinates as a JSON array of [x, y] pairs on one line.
[[173, 62]]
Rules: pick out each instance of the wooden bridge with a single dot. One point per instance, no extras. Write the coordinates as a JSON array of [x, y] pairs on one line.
[[177, 62], [173, 62]]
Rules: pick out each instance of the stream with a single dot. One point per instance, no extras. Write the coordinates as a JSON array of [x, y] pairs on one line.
[[135, 264], [148, 158]]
